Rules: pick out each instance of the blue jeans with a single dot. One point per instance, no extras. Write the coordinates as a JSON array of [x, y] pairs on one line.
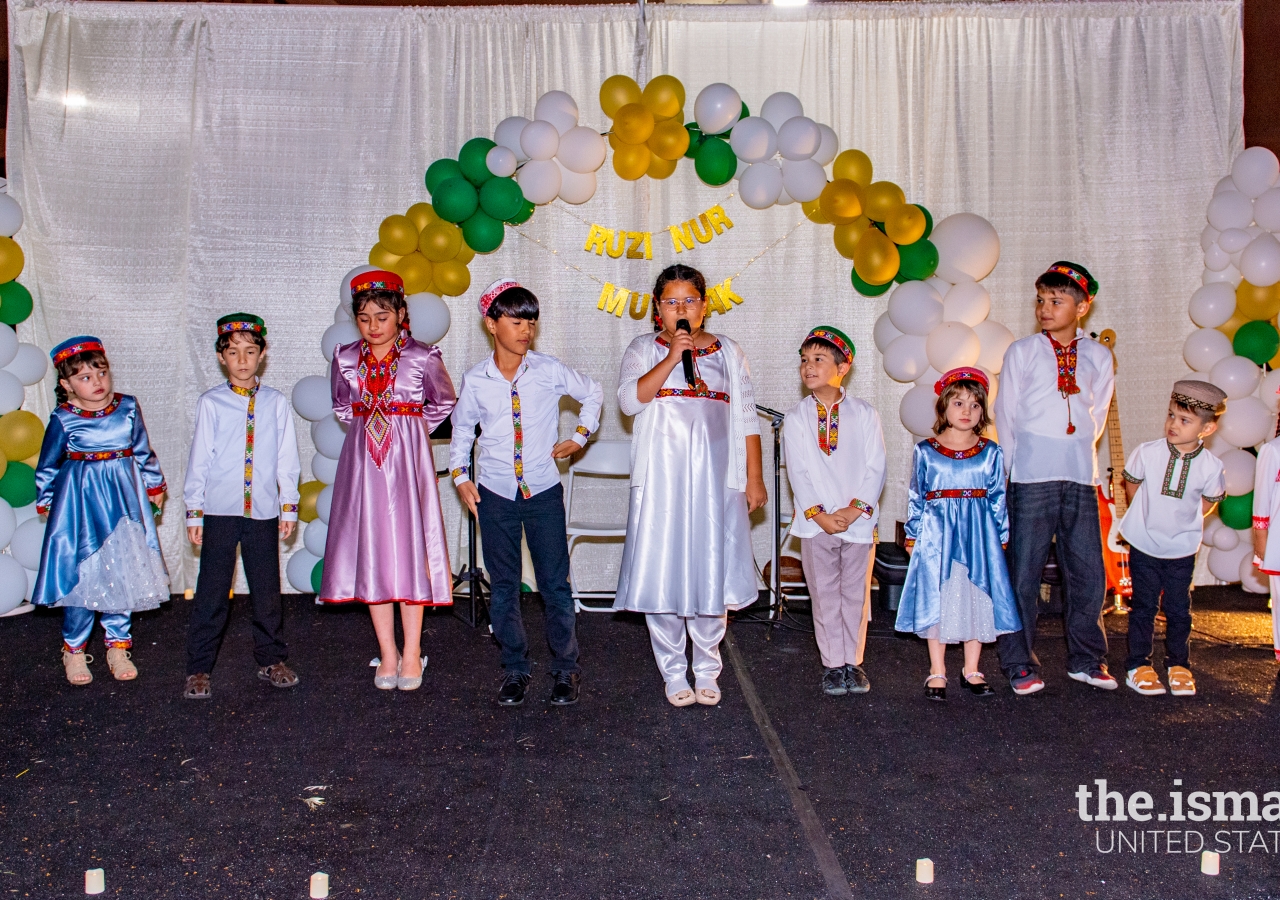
[[542, 519], [1037, 513], [1152, 577], [77, 625]]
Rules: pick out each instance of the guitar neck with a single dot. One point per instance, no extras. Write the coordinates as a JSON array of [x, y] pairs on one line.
[[1116, 445]]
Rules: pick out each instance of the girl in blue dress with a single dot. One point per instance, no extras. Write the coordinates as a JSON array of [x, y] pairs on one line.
[[97, 478], [957, 588]]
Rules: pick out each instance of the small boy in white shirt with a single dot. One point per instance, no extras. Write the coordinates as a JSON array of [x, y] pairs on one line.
[[834, 449], [1172, 484]]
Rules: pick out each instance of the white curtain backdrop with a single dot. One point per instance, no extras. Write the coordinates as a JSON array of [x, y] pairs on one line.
[[180, 161]]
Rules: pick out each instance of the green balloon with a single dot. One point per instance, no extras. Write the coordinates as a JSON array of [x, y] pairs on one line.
[[440, 171], [501, 198], [15, 303], [1257, 341], [868, 290], [455, 199], [317, 575], [526, 212], [482, 232], [928, 220], [1237, 512], [696, 138], [716, 162], [918, 261], [471, 158], [18, 485]]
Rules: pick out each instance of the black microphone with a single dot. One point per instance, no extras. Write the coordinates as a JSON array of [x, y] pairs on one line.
[[687, 356]]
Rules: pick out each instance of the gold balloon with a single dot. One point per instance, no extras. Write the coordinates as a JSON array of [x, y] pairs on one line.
[[416, 271], [398, 234], [875, 258], [4, 464], [813, 212], [440, 241], [906, 224], [660, 168], [20, 435], [465, 254], [616, 92], [846, 236], [669, 140], [308, 491], [615, 142], [11, 259], [422, 215], [633, 124], [631, 161], [1274, 364], [452, 278], [33, 461], [1257, 302], [882, 198], [1232, 325], [383, 258], [664, 97], [841, 199], [854, 165]]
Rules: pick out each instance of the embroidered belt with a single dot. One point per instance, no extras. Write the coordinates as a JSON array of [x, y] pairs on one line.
[[689, 392], [99, 455], [390, 409], [957, 494]]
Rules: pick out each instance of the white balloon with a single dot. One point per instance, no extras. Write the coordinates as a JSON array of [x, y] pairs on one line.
[[1215, 443], [313, 537], [8, 522], [1266, 210], [501, 161], [885, 332], [507, 134], [1238, 468], [1225, 564], [13, 583], [906, 358], [1208, 236], [8, 346], [1255, 171], [1205, 347], [760, 184], [324, 503], [967, 302], [1226, 538], [10, 216], [785, 199], [428, 317], [1247, 422], [918, 409], [717, 108], [11, 392], [328, 435], [1252, 581], [803, 179], [1230, 209], [27, 542], [1260, 262], [324, 469], [582, 150], [540, 140], [539, 179], [915, 308], [778, 108], [32, 575], [1230, 275], [342, 313], [558, 108], [1211, 525], [941, 285], [753, 140], [995, 339], [951, 345], [30, 511], [829, 147], [1233, 240], [299, 568], [576, 187], [1212, 305], [344, 287], [312, 398], [1271, 389], [337, 335], [1216, 258], [1236, 375], [799, 138], [967, 246]]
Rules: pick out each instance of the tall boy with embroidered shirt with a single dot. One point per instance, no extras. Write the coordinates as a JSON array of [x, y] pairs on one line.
[[1171, 484], [241, 488], [836, 464], [1266, 546], [514, 396], [1051, 410]]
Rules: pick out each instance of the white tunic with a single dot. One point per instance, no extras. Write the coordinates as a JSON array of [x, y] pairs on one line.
[[1266, 502], [1165, 518]]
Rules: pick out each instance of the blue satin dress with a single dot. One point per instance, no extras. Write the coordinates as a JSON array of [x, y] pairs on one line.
[[95, 475], [957, 586]]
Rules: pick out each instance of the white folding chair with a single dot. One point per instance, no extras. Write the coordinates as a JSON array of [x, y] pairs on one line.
[[602, 459]]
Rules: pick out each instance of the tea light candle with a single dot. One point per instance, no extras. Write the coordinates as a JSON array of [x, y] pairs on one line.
[[320, 885], [95, 881], [924, 871], [1209, 862]]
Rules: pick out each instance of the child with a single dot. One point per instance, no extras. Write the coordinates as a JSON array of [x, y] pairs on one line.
[[241, 488], [1051, 410], [835, 461], [514, 396], [1266, 505], [386, 540], [1163, 527], [97, 481], [957, 587], [695, 478]]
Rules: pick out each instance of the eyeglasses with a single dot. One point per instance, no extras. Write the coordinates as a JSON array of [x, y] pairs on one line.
[[679, 302]]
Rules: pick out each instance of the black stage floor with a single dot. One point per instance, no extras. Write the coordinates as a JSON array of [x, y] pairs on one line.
[[439, 793]]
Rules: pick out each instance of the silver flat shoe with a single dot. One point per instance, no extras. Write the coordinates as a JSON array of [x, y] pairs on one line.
[[387, 682], [405, 683]]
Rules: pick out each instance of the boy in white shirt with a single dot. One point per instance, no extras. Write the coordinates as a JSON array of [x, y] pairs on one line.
[[514, 396], [1266, 506], [834, 449], [241, 489], [1051, 410], [1171, 484]]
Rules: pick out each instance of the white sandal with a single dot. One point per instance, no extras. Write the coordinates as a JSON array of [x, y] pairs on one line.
[[77, 667], [120, 662]]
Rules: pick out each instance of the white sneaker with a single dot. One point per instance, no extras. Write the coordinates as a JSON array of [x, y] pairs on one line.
[[1099, 678]]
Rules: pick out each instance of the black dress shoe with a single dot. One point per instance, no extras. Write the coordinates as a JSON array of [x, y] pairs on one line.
[[565, 692], [978, 688], [935, 693], [512, 691]]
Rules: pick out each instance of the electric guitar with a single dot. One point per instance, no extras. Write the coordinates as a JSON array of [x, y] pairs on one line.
[[1113, 502]]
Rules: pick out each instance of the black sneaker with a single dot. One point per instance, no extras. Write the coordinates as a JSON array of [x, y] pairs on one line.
[[833, 682], [512, 691], [565, 692], [856, 680]]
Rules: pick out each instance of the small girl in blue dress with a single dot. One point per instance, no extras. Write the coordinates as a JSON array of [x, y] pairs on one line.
[[957, 588], [97, 478]]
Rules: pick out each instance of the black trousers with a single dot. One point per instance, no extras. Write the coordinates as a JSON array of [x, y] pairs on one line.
[[260, 551], [1153, 577]]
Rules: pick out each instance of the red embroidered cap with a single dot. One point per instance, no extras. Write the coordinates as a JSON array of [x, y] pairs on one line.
[[377, 281], [492, 291], [1077, 273], [964, 373]]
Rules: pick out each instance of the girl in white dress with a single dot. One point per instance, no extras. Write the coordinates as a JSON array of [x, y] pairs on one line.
[[695, 478]]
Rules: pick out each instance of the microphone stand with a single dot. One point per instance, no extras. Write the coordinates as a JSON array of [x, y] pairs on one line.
[[775, 420]]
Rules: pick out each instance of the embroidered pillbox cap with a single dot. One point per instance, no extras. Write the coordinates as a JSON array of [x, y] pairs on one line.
[[1077, 273], [377, 280], [833, 336], [492, 291], [242, 321], [84, 343], [1199, 395], [964, 373]]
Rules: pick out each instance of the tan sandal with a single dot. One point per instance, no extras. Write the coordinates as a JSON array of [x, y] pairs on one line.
[[681, 697], [77, 667], [708, 694], [120, 662]]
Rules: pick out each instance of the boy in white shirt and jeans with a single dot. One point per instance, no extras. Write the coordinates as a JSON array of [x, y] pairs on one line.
[[835, 456], [1171, 484]]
